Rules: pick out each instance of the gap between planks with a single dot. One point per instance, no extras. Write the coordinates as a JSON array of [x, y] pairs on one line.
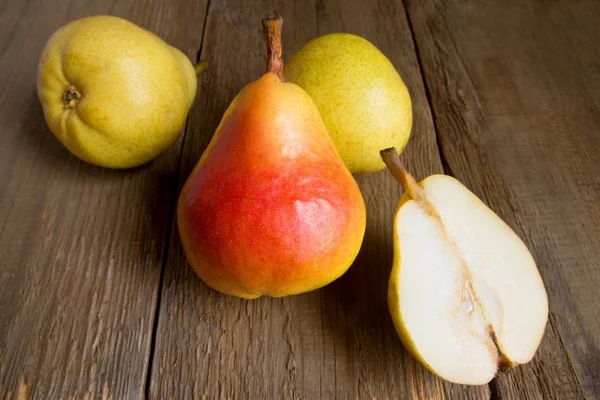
[[170, 223], [492, 385]]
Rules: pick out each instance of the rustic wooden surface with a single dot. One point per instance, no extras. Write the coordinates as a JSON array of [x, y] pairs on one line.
[[96, 295], [81, 247]]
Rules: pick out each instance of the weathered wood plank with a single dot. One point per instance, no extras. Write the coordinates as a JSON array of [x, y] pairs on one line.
[[80, 247], [208, 343], [382, 365], [337, 342], [514, 87]]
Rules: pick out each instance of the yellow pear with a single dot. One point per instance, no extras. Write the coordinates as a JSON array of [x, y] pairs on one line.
[[360, 95], [113, 93], [464, 293]]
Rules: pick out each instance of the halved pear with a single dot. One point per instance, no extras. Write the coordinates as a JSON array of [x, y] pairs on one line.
[[465, 294]]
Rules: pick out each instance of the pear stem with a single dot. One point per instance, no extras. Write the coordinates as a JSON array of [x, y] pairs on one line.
[[200, 67], [391, 158], [272, 27]]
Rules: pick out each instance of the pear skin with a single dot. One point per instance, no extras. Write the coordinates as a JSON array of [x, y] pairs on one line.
[[270, 208], [363, 101], [113, 93]]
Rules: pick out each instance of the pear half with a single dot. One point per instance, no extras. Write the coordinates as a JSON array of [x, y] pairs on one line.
[[465, 294]]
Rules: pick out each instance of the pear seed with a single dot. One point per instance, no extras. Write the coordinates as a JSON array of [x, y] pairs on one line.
[[467, 301]]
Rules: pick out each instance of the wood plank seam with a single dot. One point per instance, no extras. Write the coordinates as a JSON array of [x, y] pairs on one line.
[[523, 232], [171, 221], [445, 165], [493, 387]]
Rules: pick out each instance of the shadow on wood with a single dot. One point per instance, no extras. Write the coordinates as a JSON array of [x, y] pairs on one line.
[[38, 138]]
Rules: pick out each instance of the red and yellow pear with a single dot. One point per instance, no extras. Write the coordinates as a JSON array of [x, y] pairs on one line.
[[270, 209]]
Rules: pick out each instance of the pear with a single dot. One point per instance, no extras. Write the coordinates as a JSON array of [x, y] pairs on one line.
[[113, 93], [464, 293], [360, 95], [270, 208]]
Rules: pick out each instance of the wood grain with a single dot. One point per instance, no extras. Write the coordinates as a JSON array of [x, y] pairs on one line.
[[207, 343], [337, 342], [80, 247], [514, 87], [384, 367]]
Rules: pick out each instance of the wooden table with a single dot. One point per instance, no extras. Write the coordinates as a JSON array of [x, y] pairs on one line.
[[97, 299]]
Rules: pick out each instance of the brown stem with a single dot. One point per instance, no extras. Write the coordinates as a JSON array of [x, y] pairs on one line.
[[200, 67], [70, 97], [391, 158], [272, 27]]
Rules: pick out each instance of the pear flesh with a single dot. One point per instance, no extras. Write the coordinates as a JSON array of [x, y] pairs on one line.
[[465, 294]]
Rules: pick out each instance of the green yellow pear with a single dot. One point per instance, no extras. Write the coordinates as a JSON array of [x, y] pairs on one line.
[[113, 93], [360, 95]]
